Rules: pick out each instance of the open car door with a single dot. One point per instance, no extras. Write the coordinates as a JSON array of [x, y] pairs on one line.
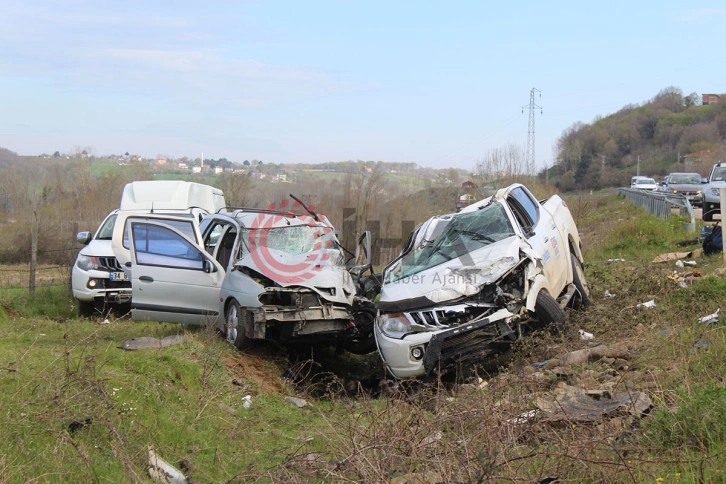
[[173, 279]]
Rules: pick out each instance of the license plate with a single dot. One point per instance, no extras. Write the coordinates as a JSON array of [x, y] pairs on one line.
[[118, 276]]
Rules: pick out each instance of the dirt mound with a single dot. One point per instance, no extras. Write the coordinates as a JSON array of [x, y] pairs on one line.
[[260, 368]]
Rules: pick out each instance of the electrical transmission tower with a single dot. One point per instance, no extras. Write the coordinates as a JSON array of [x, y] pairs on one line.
[[529, 159]]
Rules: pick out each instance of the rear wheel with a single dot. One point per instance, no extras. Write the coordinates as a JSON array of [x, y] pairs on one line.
[[578, 279], [234, 327], [548, 311]]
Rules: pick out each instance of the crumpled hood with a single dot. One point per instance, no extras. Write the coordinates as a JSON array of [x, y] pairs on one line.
[[456, 278], [320, 270]]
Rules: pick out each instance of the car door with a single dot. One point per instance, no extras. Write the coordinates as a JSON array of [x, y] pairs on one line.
[[173, 279], [543, 235]]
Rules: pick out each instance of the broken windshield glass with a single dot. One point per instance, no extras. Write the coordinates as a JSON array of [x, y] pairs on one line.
[[291, 240], [465, 233]]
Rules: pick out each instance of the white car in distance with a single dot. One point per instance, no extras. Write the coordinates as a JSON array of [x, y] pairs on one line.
[[644, 184]]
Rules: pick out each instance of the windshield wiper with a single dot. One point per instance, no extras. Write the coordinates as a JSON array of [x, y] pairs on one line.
[[476, 235]]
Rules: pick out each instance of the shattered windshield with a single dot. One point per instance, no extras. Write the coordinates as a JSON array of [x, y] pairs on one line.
[[465, 233], [292, 240]]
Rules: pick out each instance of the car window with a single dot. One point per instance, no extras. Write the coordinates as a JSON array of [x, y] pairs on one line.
[[160, 246], [184, 226], [719, 174], [525, 209], [105, 232]]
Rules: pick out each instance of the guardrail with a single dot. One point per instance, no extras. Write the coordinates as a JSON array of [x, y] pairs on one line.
[[660, 204]]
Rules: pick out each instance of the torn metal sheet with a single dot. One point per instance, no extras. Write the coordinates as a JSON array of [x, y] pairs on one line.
[[149, 343], [575, 404]]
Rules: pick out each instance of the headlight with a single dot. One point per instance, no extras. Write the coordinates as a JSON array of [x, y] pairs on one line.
[[395, 325], [87, 263]]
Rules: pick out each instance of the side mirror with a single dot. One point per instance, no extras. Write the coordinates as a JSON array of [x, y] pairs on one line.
[[704, 180], [83, 237], [207, 266]]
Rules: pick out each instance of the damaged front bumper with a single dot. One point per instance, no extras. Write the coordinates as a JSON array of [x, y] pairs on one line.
[[427, 353], [319, 322]]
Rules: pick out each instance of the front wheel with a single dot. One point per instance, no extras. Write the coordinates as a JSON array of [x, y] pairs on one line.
[[234, 331], [548, 311], [365, 342], [578, 279]]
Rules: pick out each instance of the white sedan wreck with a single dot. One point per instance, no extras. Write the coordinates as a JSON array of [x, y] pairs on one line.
[[466, 284]]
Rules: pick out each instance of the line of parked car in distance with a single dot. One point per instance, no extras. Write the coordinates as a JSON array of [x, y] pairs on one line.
[[689, 185]]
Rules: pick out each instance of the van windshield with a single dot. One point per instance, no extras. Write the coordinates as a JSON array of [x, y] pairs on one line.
[[105, 232]]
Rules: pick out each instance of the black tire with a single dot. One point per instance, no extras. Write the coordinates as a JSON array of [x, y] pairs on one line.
[[548, 311], [582, 299], [86, 309], [707, 216], [365, 342], [234, 333]]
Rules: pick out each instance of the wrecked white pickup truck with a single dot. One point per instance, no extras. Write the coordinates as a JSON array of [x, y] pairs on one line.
[[469, 283]]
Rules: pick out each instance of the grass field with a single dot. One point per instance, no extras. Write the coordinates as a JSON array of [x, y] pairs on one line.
[[78, 408]]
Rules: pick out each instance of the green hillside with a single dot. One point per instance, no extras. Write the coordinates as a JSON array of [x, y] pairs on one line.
[[670, 132]]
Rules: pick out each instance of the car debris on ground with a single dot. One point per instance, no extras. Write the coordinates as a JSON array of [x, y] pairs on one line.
[[573, 404], [150, 343], [711, 318], [647, 304], [161, 471]]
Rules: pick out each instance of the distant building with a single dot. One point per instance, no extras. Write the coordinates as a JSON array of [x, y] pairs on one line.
[[196, 169], [182, 166], [161, 161], [710, 99]]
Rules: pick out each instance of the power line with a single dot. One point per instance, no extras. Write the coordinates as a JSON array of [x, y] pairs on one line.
[[530, 156]]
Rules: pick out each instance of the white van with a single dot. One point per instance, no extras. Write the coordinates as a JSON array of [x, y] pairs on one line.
[[99, 282]]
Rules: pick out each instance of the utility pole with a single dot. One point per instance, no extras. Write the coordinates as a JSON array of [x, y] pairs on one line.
[[638, 170], [530, 156]]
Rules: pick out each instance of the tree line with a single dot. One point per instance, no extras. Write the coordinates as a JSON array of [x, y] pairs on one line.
[[671, 132]]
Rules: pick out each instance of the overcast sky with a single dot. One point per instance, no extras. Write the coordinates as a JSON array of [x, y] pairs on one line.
[[439, 83]]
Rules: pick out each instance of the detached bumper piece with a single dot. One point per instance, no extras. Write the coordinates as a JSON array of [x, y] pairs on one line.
[[465, 345]]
